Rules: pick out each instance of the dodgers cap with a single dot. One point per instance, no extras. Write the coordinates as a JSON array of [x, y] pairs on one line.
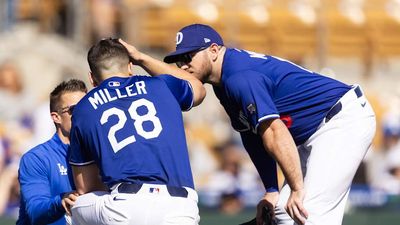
[[192, 38]]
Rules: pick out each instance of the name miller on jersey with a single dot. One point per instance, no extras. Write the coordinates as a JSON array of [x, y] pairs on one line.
[[103, 95]]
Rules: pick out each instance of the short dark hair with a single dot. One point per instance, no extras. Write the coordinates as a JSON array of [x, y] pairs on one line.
[[105, 54], [72, 85]]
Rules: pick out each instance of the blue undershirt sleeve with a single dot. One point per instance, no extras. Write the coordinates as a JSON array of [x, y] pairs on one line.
[[264, 163]]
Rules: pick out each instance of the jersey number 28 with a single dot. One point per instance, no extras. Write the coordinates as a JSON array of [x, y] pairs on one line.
[[139, 119]]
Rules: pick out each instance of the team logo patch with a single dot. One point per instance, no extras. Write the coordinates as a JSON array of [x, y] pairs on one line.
[[63, 170], [114, 84], [179, 38], [251, 108]]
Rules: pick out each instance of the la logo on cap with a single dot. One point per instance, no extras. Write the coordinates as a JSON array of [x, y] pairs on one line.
[[179, 38]]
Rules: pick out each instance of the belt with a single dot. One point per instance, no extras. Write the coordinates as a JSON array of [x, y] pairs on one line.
[[132, 188], [338, 106]]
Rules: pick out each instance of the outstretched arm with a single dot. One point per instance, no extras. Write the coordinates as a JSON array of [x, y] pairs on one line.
[[156, 67], [279, 143]]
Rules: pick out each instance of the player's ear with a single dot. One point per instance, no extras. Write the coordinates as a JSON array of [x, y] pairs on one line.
[[130, 65], [92, 81], [55, 117], [214, 50]]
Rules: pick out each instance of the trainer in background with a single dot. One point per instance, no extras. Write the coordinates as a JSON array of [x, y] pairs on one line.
[[311, 125], [129, 129], [44, 173]]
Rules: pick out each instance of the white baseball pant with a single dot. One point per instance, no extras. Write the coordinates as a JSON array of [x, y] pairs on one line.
[[151, 205], [330, 159]]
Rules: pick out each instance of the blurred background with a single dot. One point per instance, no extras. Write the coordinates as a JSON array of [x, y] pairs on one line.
[[43, 42]]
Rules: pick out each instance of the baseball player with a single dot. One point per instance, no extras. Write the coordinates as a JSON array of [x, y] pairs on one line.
[[129, 129], [313, 126], [44, 174]]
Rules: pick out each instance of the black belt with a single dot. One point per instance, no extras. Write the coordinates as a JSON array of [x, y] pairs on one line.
[[336, 108], [132, 188]]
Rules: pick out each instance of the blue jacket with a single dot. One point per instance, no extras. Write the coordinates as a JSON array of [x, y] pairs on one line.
[[44, 175]]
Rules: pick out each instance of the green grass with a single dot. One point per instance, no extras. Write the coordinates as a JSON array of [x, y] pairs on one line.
[[7, 221], [212, 217]]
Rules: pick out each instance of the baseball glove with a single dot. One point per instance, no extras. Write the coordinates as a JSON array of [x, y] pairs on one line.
[[267, 218]]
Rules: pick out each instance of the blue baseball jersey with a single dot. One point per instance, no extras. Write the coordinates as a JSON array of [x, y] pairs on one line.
[[132, 128], [44, 175], [257, 87]]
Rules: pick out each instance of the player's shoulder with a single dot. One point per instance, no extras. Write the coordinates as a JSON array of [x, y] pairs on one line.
[[168, 78], [238, 61], [233, 60], [243, 77], [240, 57], [35, 154], [159, 82], [172, 82]]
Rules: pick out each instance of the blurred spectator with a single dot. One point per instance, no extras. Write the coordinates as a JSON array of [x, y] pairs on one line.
[[15, 110], [230, 203], [104, 18], [384, 165], [390, 179], [200, 141], [6, 14], [391, 130], [12, 92], [48, 13], [9, 192], [391, 183], [15, 132], [234, 185]]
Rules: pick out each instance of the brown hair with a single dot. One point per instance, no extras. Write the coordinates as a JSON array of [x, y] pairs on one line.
[[104, 55], [72, 85]]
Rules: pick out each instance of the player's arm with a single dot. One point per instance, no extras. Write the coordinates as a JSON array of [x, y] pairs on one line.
[[280, 144], [156, 67], [41, 206], [87, 179], [253, 94], [85, 172]]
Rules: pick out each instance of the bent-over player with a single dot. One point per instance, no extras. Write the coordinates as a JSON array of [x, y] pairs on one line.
[[284, 113]]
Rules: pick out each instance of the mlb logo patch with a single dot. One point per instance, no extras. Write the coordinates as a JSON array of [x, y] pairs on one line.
[[154, 190], [114, 84]]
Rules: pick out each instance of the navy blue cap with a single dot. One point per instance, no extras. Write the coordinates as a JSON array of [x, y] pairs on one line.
[[192, 38]]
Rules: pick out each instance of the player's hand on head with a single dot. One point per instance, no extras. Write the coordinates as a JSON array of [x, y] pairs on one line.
[[294, 207], [268, 202], [134, 53], [68, 200]]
